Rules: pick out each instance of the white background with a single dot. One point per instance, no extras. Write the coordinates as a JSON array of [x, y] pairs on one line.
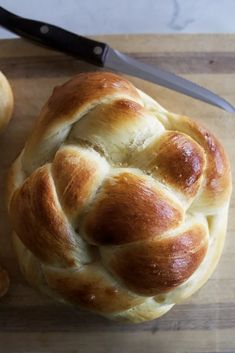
[[129, 16]]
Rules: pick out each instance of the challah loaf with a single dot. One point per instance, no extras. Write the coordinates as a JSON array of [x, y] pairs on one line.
[[6, 101], [117, 205]]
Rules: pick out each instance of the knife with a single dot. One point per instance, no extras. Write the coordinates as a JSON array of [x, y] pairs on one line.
[[103, 55]]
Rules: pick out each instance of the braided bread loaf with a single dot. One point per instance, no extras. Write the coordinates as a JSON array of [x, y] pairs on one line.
[[6, 101], [118, 205]]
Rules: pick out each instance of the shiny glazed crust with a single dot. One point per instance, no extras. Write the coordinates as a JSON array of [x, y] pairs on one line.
[[117, 205]]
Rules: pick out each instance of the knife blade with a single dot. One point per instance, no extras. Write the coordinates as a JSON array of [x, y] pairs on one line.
[[102, 54]]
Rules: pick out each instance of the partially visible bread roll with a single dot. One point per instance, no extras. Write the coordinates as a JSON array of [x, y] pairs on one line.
[[118, 205], [6, 102], [6, 107]]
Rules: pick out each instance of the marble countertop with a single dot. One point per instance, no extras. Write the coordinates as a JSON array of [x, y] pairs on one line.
[[128, 16]]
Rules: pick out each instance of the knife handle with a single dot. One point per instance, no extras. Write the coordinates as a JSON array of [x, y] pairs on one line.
[[55, 37]]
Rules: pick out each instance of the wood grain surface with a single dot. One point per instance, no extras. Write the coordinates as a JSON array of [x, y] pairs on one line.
[[30, 322]]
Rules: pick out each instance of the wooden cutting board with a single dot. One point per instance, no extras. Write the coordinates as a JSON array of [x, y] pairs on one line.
[[30, 322]]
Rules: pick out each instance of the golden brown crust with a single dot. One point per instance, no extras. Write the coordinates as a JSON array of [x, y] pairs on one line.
[[39, 220], [77, 175], [160, 265], [71, 100], [110, 200], [217, 187], [116, 129], [179, 161], [67, 99], [130, 209], [92, 289]]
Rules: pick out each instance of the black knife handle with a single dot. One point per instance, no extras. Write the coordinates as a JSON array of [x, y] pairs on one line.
[[55, 37]]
